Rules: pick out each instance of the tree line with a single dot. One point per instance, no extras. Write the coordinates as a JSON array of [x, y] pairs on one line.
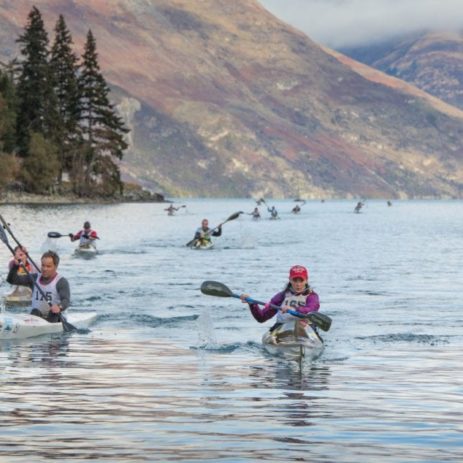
[[59, 132]]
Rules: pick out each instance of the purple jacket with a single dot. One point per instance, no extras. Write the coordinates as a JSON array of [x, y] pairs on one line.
[[312, 304]]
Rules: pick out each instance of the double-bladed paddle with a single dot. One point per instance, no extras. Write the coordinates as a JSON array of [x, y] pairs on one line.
[[232, 217], [3, 237], [215, 288], [61, 235]]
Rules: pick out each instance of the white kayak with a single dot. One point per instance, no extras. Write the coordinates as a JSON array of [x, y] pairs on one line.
[[20, 326], [21, 295], [293, 340], [86, 250]]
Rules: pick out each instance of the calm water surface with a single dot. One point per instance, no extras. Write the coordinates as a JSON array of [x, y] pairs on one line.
[[168, 374]]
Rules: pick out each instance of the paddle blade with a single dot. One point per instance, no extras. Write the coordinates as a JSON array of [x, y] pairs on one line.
[[233, 216], [214, 288], [55, 235], [67, 327], [320, 320], [3, 236]]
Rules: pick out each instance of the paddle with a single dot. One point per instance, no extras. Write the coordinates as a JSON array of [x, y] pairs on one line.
[[232, 217], [66, 325], [215, 288], [58, 235]]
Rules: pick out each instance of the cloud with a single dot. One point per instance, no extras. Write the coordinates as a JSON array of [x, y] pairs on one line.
[[341, 23]]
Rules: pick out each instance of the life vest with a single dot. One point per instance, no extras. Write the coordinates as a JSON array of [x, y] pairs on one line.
[[204, 235], [83, 241], [22, 271], [50, 291], [294, 301]]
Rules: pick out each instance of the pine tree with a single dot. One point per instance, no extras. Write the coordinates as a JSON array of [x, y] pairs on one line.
[[36, 109], [40, 169], [63, 65], [7, 113], [103, 130]]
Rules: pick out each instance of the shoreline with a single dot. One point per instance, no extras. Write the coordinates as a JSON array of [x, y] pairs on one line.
[[15, 199]]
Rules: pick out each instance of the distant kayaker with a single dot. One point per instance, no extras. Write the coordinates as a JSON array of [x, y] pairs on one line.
[[297, 295], [358, 207], [85, 236], [172, 209], [296, 209], [203, 233], [255, 213], [54, 286], [273, 212]]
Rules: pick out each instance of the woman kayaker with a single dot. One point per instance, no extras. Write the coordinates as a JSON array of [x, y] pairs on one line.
[[53, 286], [20, 255], [297, 295]]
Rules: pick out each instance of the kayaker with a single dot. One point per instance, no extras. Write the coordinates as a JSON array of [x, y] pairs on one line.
[[203, 233], [20, 255], [54, 286], [85, 236], [255, 213], [297, 295], [296, 209], [273, 212], [171, 209], [358, 207]]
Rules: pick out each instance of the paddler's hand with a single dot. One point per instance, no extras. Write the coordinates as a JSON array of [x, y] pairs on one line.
[[55, 308], [243, 298]]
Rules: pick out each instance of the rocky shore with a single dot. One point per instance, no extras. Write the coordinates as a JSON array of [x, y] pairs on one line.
[[14, 197]]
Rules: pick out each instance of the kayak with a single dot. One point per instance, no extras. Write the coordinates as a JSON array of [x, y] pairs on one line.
[[21, 295], [293, 340], [20, 326], [203, 245], [87, 250]]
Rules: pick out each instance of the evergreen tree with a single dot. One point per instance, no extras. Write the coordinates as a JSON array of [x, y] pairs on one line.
[[103, 130], [36, 109], [63, 65], [40, 169], [7, 113]]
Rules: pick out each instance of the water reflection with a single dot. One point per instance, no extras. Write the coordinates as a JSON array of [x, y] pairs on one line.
[[134, 390], [48, 350]]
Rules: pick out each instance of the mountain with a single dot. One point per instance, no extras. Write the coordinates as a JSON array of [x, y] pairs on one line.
[[223, 99], [432, 61]]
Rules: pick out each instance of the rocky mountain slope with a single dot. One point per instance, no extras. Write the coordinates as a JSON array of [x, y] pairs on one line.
[[432, 61], [223, 99]]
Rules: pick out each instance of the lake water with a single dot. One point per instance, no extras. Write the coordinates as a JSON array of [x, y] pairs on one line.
[[169, 374]]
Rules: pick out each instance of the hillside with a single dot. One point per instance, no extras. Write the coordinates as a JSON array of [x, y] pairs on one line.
[[432, 61], [223, 99]]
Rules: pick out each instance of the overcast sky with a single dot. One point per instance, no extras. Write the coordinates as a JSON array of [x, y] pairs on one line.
[[339, 23]]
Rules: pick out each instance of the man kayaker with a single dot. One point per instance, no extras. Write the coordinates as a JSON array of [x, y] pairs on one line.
[[54, 287], [297, 295], [203, 234], [296, 209], [85, 236]]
